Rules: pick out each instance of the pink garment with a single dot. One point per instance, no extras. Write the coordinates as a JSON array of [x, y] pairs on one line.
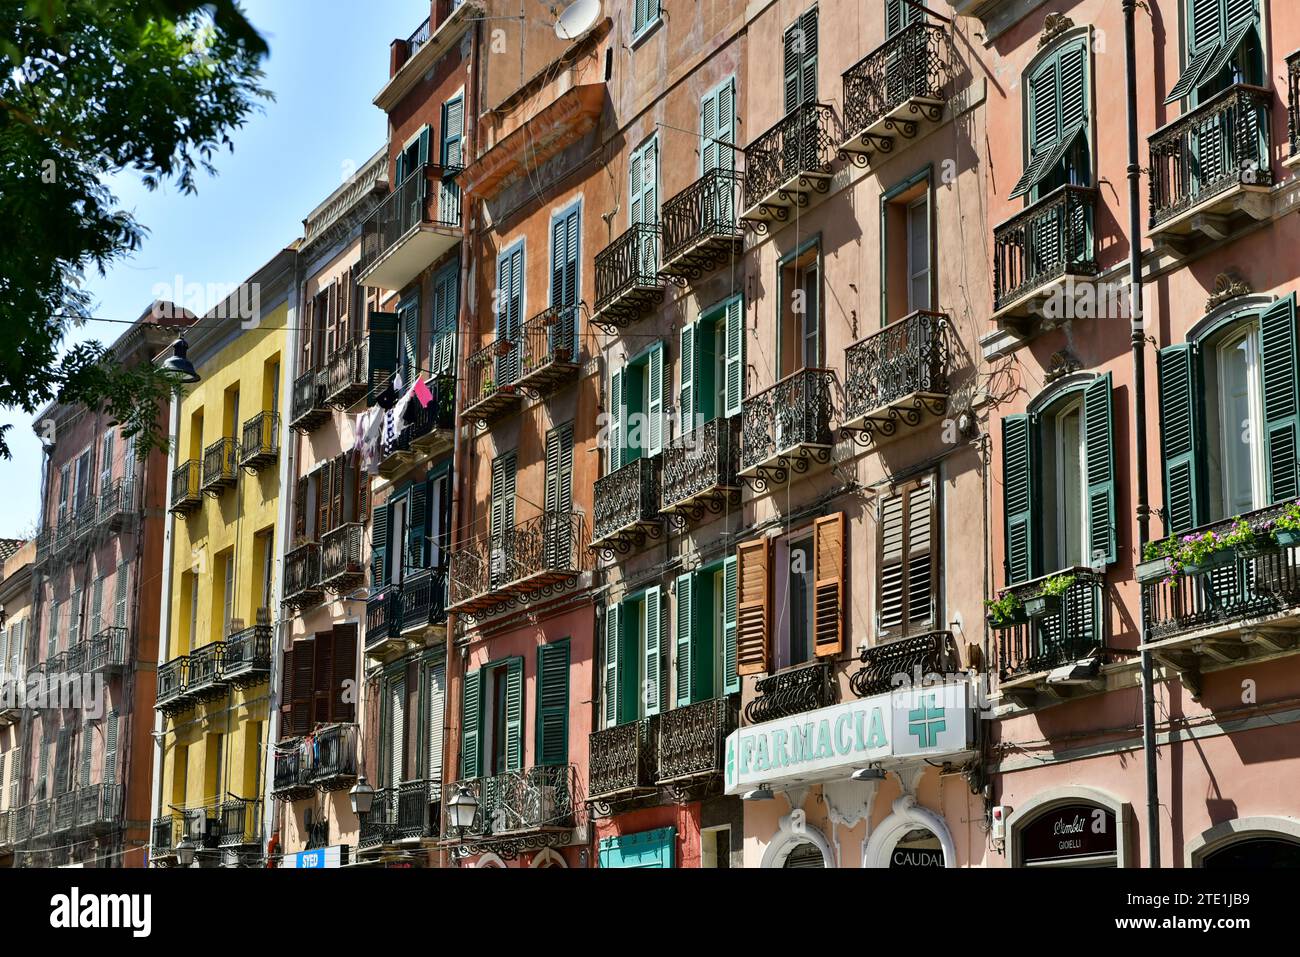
[[421, 392]]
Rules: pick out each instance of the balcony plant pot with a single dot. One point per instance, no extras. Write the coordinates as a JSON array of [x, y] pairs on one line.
[[1152, 571], [1040, 606], [1287, 538], [504, 347], [1219, 559]]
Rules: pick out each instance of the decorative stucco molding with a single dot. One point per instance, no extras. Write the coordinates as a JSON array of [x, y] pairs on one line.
[[907, 816], [1238, 829]]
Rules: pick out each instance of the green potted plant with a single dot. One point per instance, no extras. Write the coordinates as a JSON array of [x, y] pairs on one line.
[[1002, 611], [1155, 563], [487, 387], [1203, 551], [1048, 600], [1286, 527]]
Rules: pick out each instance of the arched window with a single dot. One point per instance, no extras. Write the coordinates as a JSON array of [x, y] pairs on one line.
[[1247, 842], [1057, 111]]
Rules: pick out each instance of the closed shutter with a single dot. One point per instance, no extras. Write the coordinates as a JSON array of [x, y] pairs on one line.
[[686, 394], [828, 585], [435, 707], [653, 640], [347, 290], [559, 495], [753, 614], [1018, 497], [286, 694], [110, 748], [613, 649], [1180, 434], [379, 547], [338, 483], [800, 59], [1278, 358], [106, 461], [655, 412], [735, 336], [301, 691], [396, 738], [300, 509], [504, 475], [120, 583], [323, 477], [62, 761], [382, 352], [564, 259], [899, 15], [617, 414], [471, 716], [1099, 445], [446, 309], [717, 123], [417, 530], [96, 612], [341, 682], [643, 205], [905, 592], [409, 350], [686, 663], [87, 742], [452, 157], [16, 778], [322, 673], [515, 714], [510, 294], [43, 771], [553, 704]]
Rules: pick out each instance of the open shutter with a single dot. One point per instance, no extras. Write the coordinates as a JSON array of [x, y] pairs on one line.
[[446, 307], [828, 585], [921, 558], [300, 509], [83, 769], [1018, 497], [1074, 88], [1178, 370], [1278, 358], [731, 676], [303, 694], [471, 752], [342, 685], [515, 714], [735, 336], [686, 663], [434, 718], [653, 634], [62, 761], [655, 413], [686, 397], [898, 15], [615, 420], [324, 490], [417, 530], [379, 546], [409, 357], [286, 693], [1099, 445], [612, 647], [382, 352], [553, 704], [96, 608], [110, 748], [396, 730], [800, 59], [338, 482], [891, 565], [753, 613]]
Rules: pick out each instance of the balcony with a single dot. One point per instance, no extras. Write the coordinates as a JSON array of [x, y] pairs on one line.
[[185, 488], [99, 808], [246, 658], [408, 812], [291, 779], [788, 165], [1071, 630], [261, 444], [893, 90], [42, 820], [896, 380], [786, 429], [44, 546], [700, 471], [307, 405], [549, 350], [220, 466], [413, 228], [117, 504], [204, 675], [240, 822], [908, 662], [543, 552], [701, 230], [302, 577], [427, 433], [1293, 105], [792, 691], [87, 516], [341, 566], [384, 622], [75, 659], [622, 765], [332, 762], [65, 537], [513, 804], [1046, 247], [171, 696], [627, 278], [164, 834], [6, 831], [20, 825], [424, 602], [347, 377], [1211, 168], [625, 508], [493, 386], [107, 653], [693, 740]]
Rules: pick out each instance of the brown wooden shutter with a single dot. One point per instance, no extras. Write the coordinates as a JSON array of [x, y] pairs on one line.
[[337, 473], [322, 683], [345, 306], [323, 499], [302, 692], [309, 320], [286, 696], [754, 612], [345, 673], [363, 492], [828, 585], [300, 509], [906, 562]]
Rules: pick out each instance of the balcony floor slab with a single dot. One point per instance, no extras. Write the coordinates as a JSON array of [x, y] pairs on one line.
[[1214, 218], [903, 416], [882, 137], [797, 192], [778, 469], [415, 251]]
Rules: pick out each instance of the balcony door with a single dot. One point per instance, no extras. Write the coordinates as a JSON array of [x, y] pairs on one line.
[[559, 496], [502, 528], [643, 204], [717, 137], [411, 190], [509, 313], [451, 157], [636, 413], [1234, 401]]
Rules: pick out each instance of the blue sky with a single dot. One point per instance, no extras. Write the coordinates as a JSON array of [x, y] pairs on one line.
[[328, 60]]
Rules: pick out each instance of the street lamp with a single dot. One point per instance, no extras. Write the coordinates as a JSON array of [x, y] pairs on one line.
[[178, 364], [185, 854], [760, 793], [362, 796], [461, 810], [867, 774]]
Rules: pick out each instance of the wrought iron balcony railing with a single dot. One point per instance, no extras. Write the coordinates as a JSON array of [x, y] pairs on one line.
[[493, 380], [793, 691], [204, 677], [171, 685], [627, 277], [1221, 144], [246, 658], [185, 487], [341, 566], [417, 810], [701, 226], [99, 807], [622, 762], [65, 537], [164, 834], [544, 551], [291, 777], [548, 349], [894, 87], [700, 470], [20, 824], [261, 441], [332, 759], [6, 830], [44, 545], [788, 426], [408, 222], [693, 738], [117, 503], [1073, 629], [240, 822], [348, 374], [424, 598], [625, 507], [787, 163], [220, 465], [384, 620], [42, 819], [905, 662], [519, 802], [307, 405], [898, 376], [107, 651], [1046, 241], [302, 576], [87, 515], [428, 429], [1293, 101], [65, 811]]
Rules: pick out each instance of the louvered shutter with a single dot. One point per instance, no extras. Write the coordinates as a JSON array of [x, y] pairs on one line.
[[110, 748], [753, 613], [120, 583], [1278, 357], [347, 289], [446, 309], [613, 651], [686, 663], [1074, 90], [616, 416], [417, 531], [653, 641], [906, 559], [396, 731], [735, 341], [504, 476], [686, 395], [342, 683], [1180, 434], [106, 461], [409, 358], [452, 156], [559, 494], [43, 771], [1018, 497], [83, 770], [800, 59], [1100, 453], [434, 718], [4, 651], [301, 691], [286, 694], [471, 753], [921, 558], [338, 481], [16, 778], [381, 352], [300, 509], [553, 704], [655, 412], [509, 313], [892, 565], [62, 761], [828, 585], [379, 546], [899, 15]]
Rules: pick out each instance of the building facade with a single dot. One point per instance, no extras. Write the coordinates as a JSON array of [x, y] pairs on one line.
[[16, 600]]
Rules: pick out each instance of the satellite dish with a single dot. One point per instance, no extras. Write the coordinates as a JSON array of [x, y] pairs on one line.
[[577, 18]]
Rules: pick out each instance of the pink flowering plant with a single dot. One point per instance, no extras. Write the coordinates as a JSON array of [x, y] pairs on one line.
[[1288, 520], [1196, 549]]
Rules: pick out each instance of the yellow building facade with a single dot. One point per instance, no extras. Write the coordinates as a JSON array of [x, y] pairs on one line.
[[220, 611]]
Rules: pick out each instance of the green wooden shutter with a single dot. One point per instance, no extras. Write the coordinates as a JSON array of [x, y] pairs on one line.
[[510, 304], [1018, 496], [515, 714], [83, 770], [800, 61], [615, 420], [417, 525], [899, 15], [410, 348], [1177, 368], [653, 676], [471, 716], [685, 661], [730, 585], [1099, 443], [119, 595], [553, 703], [446, 306], [110, 749], [1073, 61], [613, 651], [1278, 358], [655, 414], [379, 546], [735, 336], [382, 351]]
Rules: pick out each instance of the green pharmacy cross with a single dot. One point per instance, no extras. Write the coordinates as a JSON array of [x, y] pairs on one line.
[[926, 722]]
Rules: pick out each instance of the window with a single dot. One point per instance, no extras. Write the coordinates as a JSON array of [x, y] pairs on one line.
[[900, 14], [1229, 417], [552, 748], [106, 458], [706, 633], [1222, 48], [1056, 110], [566, 250], [231, 412], [711, 365], [410, 531], [194, 610], [264, 546], [413, 156], [65, 491], [451, 154], [394, 740], [1059, 482], [907, 560], [433, 709], [509, 306], [645, 14], [799, 329], [317, 672], [446, 310], [905, 226], [492, 719], [802, 616], [81, 482], [75, 612], [633, 684], [226, 563], [502, 518], [408, 346], [800, 58], [643, 203], [717, 130], [111, 731], [636, 408], [52, 640]]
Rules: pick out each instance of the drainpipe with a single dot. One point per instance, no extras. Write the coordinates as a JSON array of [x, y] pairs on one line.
[[1138, 336], [164, 623]]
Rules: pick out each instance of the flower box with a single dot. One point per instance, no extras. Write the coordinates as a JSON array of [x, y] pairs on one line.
[[1224, 556], [1152, 571], [1040, 606], [1286, 537]]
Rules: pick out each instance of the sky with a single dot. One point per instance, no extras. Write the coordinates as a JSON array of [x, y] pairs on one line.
[[328, 60]]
